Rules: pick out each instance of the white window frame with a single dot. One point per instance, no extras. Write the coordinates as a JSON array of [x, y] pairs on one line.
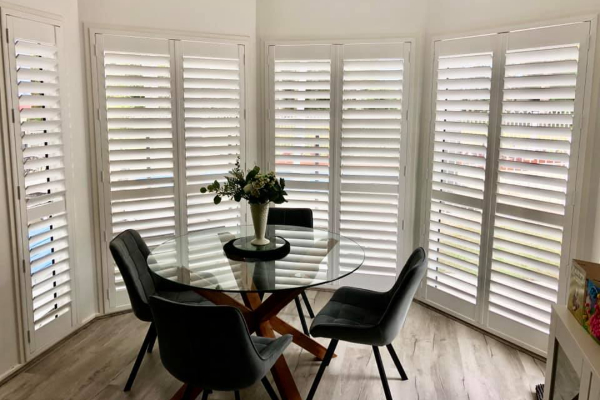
[[409, 140], [573, 213], [103, 256]]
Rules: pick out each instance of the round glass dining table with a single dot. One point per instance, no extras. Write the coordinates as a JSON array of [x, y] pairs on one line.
[[316, 257]]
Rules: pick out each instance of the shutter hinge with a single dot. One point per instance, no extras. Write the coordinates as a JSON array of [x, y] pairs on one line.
[[98, 114], [107, 294], [23, 265], [244, 113], [104, 235], [19, 192], [28, 336], [12, 112], [402, 224], [269, 114], [6, 35], [405, 170], [101, 176], [244, 58]]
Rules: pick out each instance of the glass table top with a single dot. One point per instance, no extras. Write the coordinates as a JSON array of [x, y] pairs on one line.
[[316, 257]]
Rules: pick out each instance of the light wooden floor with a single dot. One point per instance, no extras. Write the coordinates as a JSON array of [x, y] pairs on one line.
[[443, 359]]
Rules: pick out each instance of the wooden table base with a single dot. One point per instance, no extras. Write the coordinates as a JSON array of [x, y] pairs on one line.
[[261, 317]]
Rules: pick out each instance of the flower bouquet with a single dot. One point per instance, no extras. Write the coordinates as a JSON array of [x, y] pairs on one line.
[[258, 189]]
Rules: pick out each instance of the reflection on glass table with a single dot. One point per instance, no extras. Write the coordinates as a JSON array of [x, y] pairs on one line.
[[316, 257]]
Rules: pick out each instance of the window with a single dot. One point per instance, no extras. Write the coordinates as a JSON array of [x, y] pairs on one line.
[[338, 120], [504, 141], [171, 120], [36, 99]]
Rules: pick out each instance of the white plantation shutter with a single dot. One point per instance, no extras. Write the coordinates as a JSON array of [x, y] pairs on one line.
[[539, 135], [373, 126], [35, 93], [508, 271], [213, 122], [171, 120], [139, 142], [301, 107], [212, 98], [458, 164]]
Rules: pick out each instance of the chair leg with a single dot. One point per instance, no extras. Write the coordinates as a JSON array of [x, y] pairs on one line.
[[307, 304], [301, 315], [140, 357], [269, 388], [324, 364], [386, 387], [152, 340], [237, 395], [205, 394], [397, 362]]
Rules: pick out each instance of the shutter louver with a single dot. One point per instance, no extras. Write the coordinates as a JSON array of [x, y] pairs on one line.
[[371, 155], [212, 93], [35, 92], [460, 138], [534, 160], [302, 132]]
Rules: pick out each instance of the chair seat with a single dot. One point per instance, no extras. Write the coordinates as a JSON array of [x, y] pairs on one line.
[[352, 315], [186, 296]]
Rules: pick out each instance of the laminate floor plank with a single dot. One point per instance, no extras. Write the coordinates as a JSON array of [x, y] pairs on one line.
[[443, 359]]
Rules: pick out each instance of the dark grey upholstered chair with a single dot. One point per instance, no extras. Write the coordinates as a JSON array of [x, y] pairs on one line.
[[130, 253], [370, 318], [302, 217], [209, 347]]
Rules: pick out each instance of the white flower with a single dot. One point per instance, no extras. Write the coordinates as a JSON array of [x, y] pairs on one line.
[[248, 188]]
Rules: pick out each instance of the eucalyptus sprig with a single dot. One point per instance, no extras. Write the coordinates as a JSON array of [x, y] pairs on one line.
[[252, 186]]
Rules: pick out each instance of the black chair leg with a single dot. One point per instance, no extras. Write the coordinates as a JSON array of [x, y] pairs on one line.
[[386, 387], [307, 304], [301, 315], [269, 388], [397, 362], [152, 340], [140, 357], [205, 394], [324, 364], [237, 395]]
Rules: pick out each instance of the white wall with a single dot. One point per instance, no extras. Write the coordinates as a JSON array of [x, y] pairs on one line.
[[82, 244]]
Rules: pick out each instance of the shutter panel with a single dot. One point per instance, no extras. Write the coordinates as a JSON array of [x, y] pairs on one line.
[[372, 157], [538, 139], [138, 141], [213, 123], [35, 96], [302, 96], [459, 153]]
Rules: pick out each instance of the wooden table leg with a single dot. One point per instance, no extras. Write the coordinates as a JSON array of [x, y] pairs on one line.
[[179, 395], [281, 372], [300, 338]]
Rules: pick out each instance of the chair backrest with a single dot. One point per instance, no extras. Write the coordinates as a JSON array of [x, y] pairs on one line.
[[302, 217], [402, 294], [130, 253], [206, 345]]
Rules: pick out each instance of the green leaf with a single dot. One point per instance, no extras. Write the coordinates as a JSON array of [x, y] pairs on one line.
[[217, 199], [252, 173], [216, 184], [237, 197], [203, 190]]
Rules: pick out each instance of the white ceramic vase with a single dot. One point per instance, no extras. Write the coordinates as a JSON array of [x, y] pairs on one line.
[[259, 212]]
